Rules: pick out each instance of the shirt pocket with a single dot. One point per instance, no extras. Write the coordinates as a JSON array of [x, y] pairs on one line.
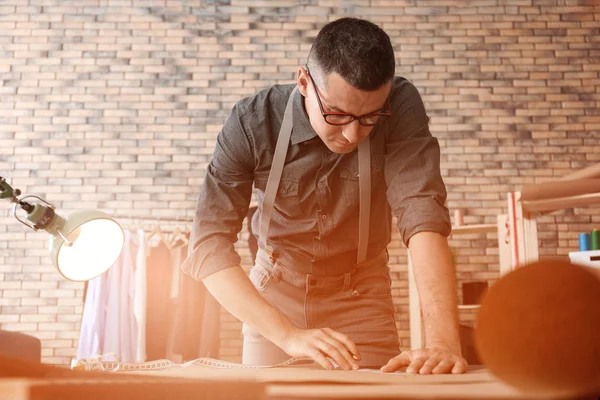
[[349, 176], [288, 198], [350, 171]]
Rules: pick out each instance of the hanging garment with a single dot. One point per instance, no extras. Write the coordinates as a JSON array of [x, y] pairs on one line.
[[139, 296], [178, 253], [158, 288], [120, 330], [108, 324], [197, 322], [91, 335]]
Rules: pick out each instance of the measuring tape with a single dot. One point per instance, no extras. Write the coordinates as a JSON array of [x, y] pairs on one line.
[[100, 363]]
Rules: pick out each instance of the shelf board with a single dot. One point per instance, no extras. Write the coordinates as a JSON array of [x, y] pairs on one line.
[[469, 306], [476, 228]]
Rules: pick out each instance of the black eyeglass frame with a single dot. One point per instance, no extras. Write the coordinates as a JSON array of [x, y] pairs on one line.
[[384, 112]]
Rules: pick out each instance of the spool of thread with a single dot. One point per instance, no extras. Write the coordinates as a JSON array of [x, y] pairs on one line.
[[584, 242], [595, 241], [458, 218]]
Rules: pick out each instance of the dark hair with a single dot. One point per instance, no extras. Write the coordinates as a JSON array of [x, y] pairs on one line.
[[358, 50]]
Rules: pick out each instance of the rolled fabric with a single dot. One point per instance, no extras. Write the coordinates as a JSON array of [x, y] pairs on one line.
[[593, 171], [538, 329], [551, 190]]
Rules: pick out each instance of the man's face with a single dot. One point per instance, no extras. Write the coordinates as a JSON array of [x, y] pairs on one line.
[[337, 95]]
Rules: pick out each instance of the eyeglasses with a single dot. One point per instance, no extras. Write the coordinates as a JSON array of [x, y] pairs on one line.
[[341, 118]]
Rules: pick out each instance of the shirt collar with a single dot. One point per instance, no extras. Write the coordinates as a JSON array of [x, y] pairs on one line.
[[302, 130]]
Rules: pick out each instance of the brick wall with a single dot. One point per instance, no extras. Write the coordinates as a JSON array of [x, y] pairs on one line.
[[115, 104]]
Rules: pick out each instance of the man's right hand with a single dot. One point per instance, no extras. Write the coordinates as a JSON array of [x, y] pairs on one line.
[[246, 304], [323, 346]]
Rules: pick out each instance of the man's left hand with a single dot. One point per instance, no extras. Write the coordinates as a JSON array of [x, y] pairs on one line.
[[433, 359]]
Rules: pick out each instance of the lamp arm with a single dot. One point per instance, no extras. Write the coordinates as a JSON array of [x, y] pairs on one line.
[[7, 192], [41, 215]]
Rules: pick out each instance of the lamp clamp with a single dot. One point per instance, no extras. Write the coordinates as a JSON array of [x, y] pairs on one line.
[[44, 211], [7, 192]]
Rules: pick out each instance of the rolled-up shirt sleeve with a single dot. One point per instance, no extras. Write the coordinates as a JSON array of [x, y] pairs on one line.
[[416, 190], [223, 202]]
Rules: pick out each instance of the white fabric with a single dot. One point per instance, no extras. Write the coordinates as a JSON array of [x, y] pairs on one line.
[[139, 297], [177, 259], [120, 325], [91, 336]]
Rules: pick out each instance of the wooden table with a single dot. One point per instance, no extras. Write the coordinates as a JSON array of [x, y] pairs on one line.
[[312, 382], [289, 383]]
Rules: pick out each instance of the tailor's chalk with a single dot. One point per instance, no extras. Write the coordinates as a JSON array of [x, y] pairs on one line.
[[584, 242], [595, 241]]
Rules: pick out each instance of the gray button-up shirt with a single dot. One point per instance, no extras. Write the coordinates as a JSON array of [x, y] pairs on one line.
[[314, 227]]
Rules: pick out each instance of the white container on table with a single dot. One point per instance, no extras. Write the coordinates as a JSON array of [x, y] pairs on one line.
[[589, 258]]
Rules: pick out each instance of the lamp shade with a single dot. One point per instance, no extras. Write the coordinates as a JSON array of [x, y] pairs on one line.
[[95, 241]]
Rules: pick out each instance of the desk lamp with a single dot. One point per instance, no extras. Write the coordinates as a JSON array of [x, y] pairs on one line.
[[82, 246]]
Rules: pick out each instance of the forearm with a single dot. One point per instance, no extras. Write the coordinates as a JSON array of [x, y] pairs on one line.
[[233, 289], [436, 282]]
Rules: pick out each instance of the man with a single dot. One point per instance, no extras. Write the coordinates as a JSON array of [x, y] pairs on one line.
[[330, 160]]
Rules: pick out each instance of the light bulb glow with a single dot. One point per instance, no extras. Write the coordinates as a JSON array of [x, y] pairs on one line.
[[96, 245]]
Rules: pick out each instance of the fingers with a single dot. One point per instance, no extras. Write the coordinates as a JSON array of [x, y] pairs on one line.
[[460, 367], [320, 358], [415, 365], [352, 348], [397, 362], [425, 362], [443, 367], [325, 346], [336, 350], [428, 366], [344, 346], [447, 366]]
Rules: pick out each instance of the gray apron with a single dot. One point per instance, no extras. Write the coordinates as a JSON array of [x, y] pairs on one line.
[[371, 325], [364, 179]]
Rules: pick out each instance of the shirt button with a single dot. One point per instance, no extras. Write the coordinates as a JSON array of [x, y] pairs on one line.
[[324, 217]]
